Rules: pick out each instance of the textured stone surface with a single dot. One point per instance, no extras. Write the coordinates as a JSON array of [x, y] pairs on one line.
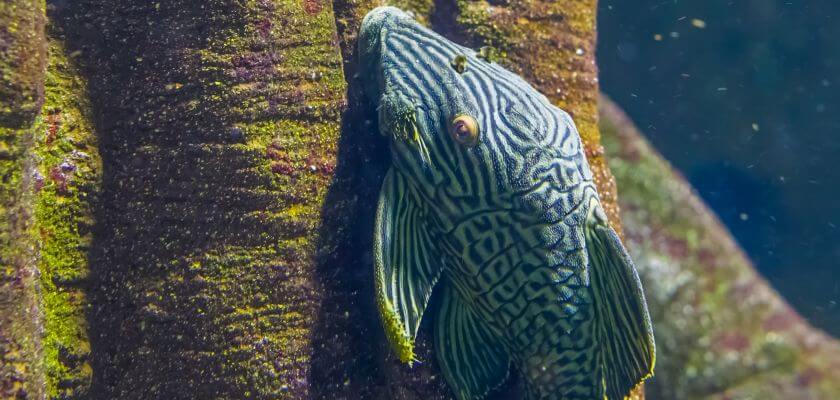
[[22, 55], [66, 183], [22, 61], [216, 123]]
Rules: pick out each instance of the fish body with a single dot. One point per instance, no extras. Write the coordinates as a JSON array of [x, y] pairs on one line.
[[490, 201]]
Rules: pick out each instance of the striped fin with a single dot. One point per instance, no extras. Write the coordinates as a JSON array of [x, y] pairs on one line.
[[470, 355], [407, 265], [622, 321]]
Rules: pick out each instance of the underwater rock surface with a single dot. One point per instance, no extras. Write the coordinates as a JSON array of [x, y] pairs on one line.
[[22, 67], [721, 331]]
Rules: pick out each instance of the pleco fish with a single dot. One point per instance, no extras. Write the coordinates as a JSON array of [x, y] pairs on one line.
[[490, 202]]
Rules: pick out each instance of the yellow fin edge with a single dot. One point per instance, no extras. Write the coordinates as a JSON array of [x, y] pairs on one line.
[[401, 343]]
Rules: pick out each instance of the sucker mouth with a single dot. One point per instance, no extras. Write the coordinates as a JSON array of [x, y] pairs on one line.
[[370, 46]]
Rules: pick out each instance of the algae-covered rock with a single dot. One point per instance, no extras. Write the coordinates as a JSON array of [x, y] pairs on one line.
[[66, 181], [22, 57], [216, 123], [722, 331], [22, 61]]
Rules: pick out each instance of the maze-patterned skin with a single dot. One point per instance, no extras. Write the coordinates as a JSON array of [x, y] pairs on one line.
[[501, 228]]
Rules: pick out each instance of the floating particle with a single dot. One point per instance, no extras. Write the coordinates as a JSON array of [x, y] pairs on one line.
[[657, 37], [744, 216], [698, 23], [755, 126]]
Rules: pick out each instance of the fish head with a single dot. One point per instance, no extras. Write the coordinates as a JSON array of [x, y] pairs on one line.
[[458, 124]]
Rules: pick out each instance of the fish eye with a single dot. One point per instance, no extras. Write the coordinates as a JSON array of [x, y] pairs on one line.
[[464, 129]]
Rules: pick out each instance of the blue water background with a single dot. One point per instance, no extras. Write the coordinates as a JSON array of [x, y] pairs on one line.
[[744, 98]]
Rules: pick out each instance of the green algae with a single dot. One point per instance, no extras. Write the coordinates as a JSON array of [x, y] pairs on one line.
[[22, 55], [476, 18], [22, 61], [420, 10], [68, 172], [21, 366]]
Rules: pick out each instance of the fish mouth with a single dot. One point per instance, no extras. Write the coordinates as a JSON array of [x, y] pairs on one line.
[[378, 17], [397, 110]]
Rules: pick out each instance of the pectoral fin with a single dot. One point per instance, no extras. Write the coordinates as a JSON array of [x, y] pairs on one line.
[[407, 265], [622, 320], [470, 355]]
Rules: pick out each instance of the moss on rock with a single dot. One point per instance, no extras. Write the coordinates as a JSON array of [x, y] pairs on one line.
[[22, 61], [67, 175], [216, 123], [22, 54], [21, 367]]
